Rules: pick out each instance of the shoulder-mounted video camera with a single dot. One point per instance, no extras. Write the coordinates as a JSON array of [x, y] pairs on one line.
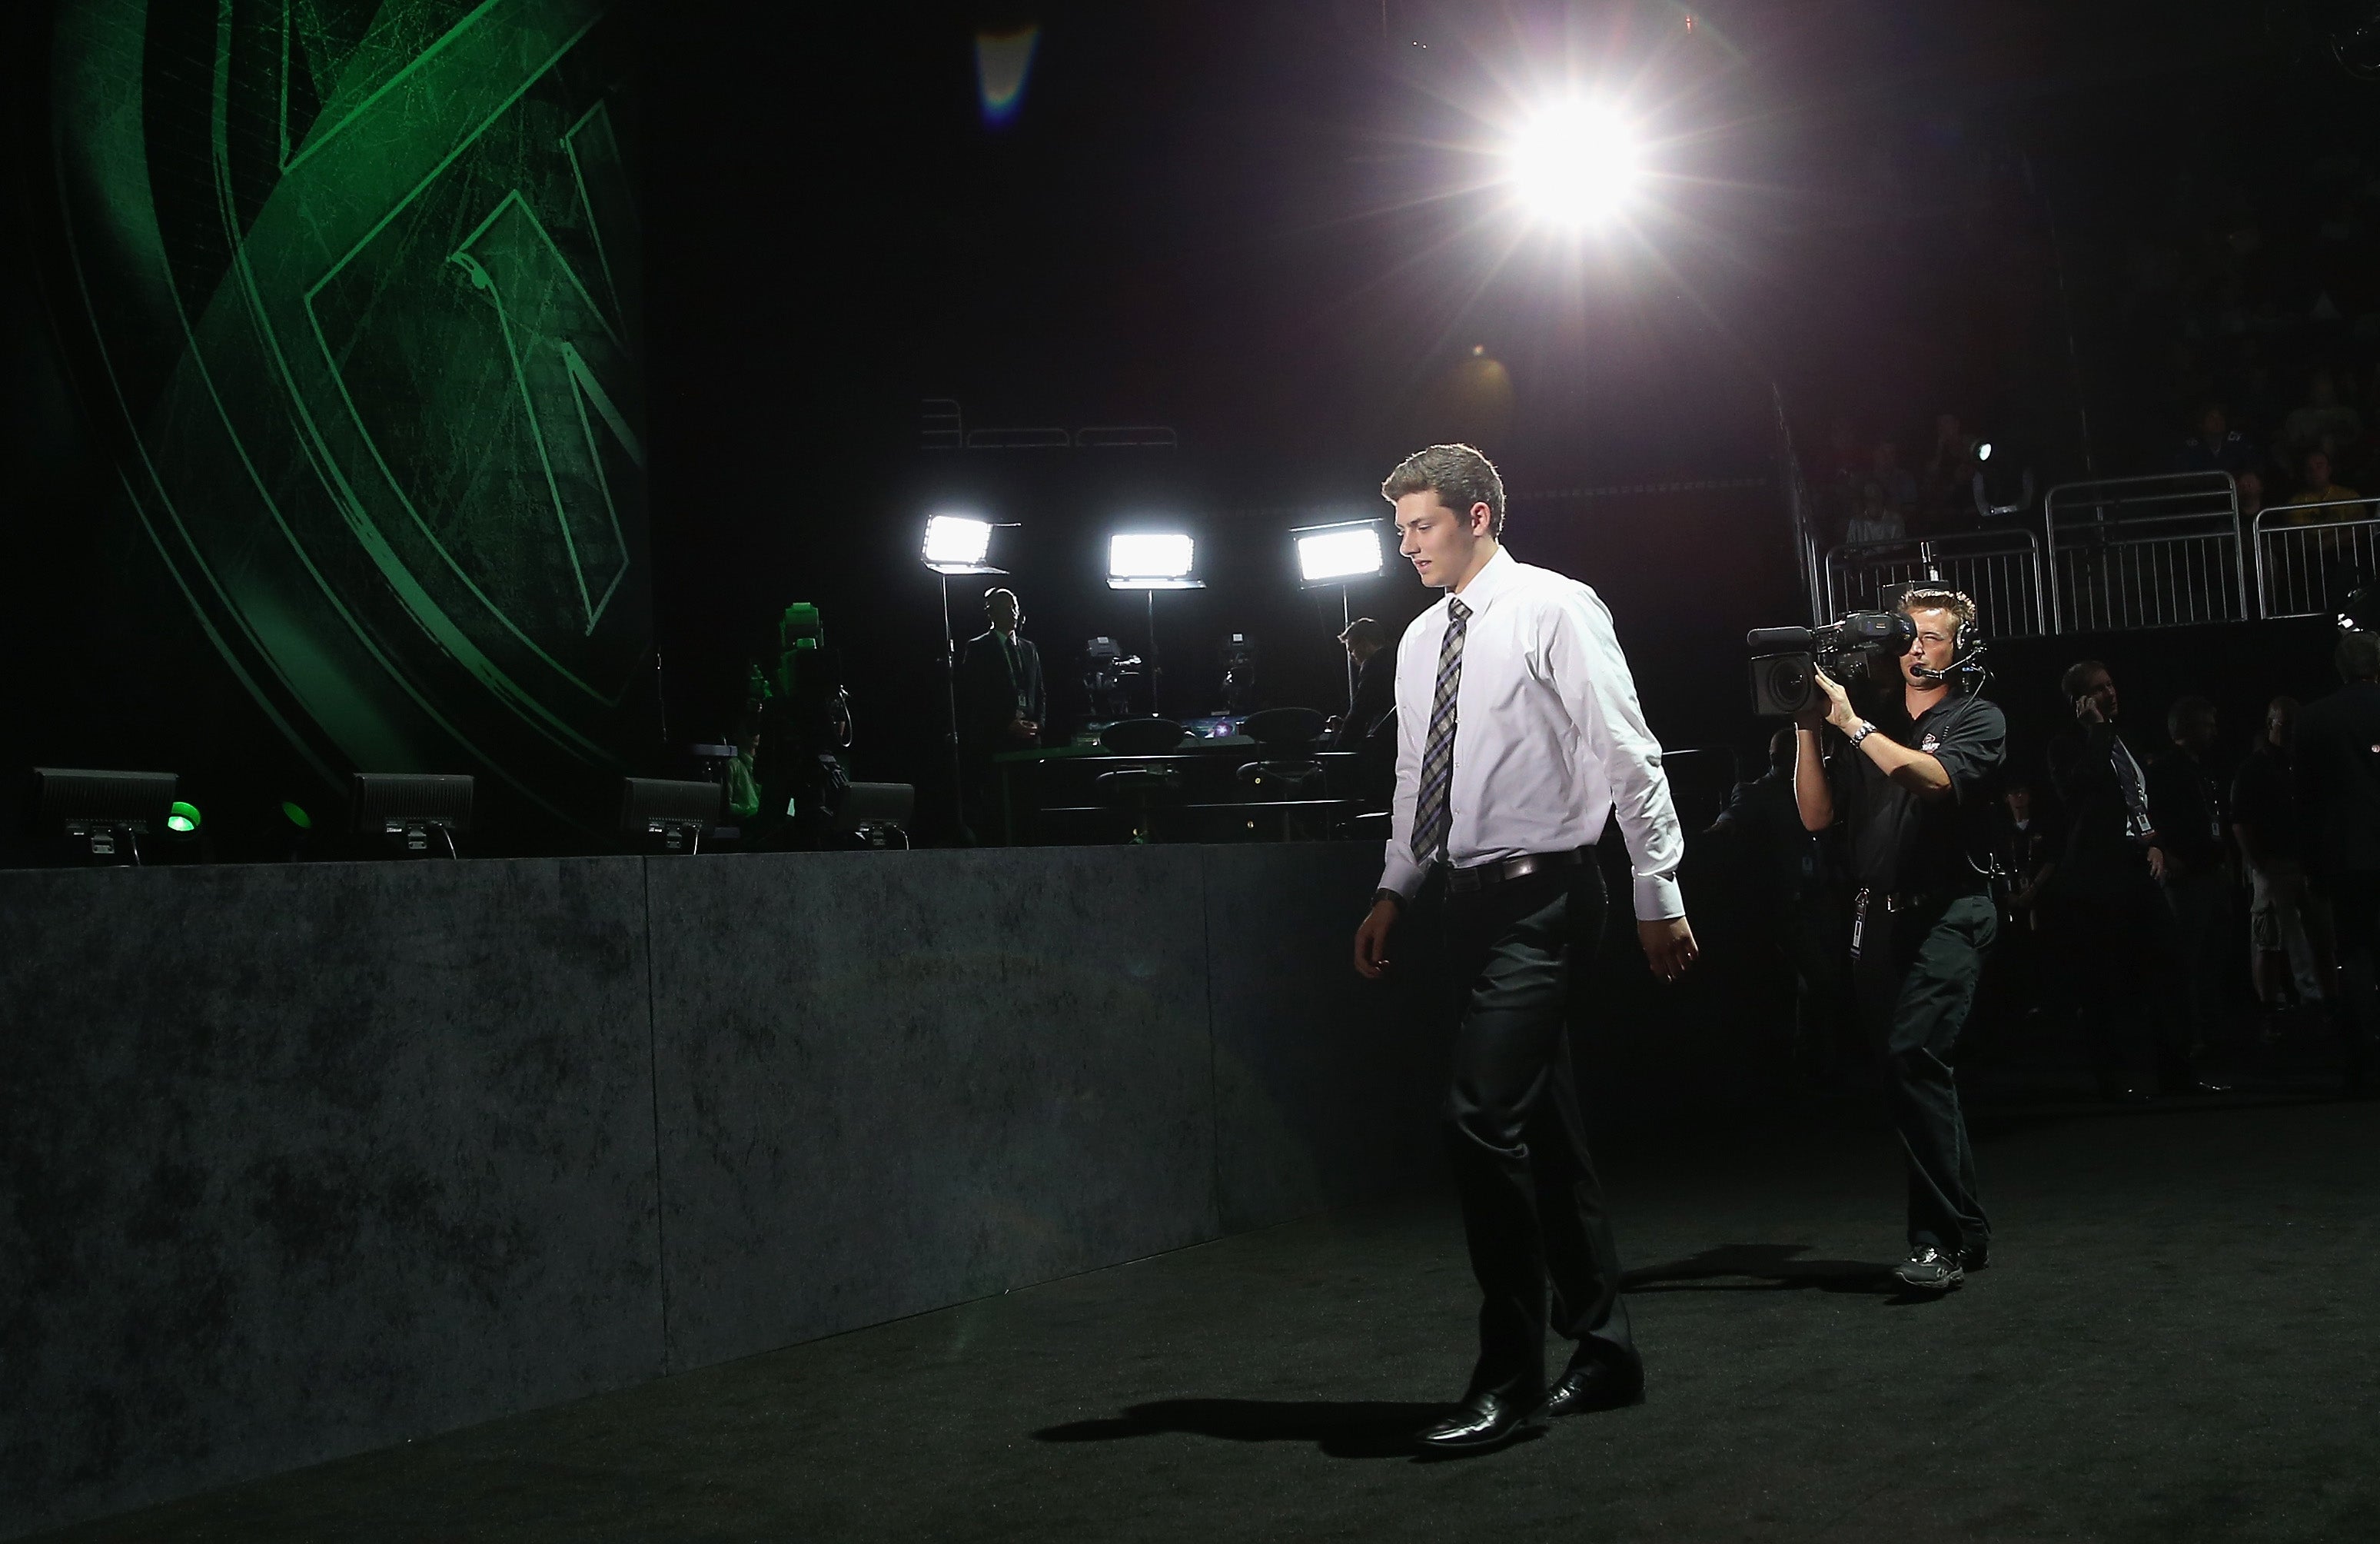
[[1865, 644], [1785, 661]]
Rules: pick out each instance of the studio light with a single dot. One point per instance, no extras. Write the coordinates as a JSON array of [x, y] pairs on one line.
[[1340, 553], [957, 544], [183, 819], [1575, 164], [1151, 561], [1983, 450]]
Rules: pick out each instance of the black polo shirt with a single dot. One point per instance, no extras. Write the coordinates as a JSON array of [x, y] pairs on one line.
[[1904, 845]]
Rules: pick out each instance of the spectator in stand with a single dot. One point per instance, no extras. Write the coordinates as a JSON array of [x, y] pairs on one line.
[[1874, 520], [2110, 915], [2252, 499], [2321, 422], [2322, 489], [2338, 781], [2217, 446], [1899, 484], [2186, 803], [2289, 924]]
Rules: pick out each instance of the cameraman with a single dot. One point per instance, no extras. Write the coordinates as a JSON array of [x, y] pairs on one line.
[[1917, 801]]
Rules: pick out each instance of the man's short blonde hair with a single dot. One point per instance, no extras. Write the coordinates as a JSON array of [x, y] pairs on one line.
[[1955, 601]]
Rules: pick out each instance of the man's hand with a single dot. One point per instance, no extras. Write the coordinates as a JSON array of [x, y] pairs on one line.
[[1838, 710], [2156, 863], [2086, 711], [1024, 731], [1668, 946], [1372, 939]]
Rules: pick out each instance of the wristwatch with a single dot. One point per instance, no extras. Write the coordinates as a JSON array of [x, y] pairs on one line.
[[1863, 732]]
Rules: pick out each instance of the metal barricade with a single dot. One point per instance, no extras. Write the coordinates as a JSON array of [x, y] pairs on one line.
[[2309, 556], [2000, 570], [2145, 552]]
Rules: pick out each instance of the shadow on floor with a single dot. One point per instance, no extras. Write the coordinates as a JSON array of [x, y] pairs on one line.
[[1771, 1266], [1342, 1429]]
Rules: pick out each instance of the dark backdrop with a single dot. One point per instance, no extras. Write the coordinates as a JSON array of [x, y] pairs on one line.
[[1263, 228]]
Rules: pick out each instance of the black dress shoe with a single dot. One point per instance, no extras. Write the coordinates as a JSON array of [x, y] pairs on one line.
[[1596, 1382], [2200, 1083], [2119, 1093], [1484, 1421]]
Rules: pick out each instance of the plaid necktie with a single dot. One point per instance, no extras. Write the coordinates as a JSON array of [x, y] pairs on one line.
[[1432, 820]]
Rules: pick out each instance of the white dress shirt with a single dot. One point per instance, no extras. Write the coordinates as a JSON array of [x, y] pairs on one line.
[[1548, 739]]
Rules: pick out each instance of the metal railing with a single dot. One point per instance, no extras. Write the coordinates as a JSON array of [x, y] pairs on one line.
[[2000, 571], [2145, 552], [2307, 563]]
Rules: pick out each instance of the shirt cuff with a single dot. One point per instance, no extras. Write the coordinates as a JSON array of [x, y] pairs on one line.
[[1402, 875], [1657, 898]]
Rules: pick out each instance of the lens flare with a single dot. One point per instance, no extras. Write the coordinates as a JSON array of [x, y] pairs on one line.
[[1002, 60]]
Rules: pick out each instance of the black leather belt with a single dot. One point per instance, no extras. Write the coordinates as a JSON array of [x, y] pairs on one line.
[[1483, 876]]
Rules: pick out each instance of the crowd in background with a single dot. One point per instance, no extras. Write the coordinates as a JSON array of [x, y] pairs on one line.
[[2233, 325], [2177, 901]]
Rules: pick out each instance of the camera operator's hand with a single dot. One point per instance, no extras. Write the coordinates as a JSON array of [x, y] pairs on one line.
[[1838, 710]]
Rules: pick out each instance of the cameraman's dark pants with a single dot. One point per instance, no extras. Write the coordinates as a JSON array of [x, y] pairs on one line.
[[1916, 973], [1533, 1209]]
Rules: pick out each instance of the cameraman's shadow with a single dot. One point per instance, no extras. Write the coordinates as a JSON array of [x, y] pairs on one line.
[[1373, 1429], [1768, 1266]]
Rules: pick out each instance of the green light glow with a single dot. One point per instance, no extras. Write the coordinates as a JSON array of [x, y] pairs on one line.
[[183, 819], [297, 816]]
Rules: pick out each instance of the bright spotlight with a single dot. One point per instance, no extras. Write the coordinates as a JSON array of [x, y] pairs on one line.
[[1333, 555], [1983, 450], [955, 544], [1150, 561], [1575, 163]]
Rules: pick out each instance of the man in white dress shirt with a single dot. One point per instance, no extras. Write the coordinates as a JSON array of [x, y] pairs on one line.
[[1518, 735]]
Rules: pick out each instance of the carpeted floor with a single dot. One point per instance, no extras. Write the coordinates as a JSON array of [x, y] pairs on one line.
[[2175, 1342]]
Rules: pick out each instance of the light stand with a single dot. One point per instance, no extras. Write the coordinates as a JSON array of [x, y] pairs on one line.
[[1152, 562], [955, 544], [1340, 553]]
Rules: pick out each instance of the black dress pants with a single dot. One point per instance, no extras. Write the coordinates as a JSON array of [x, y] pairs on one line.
[[1917, 973], [2355, 910], [2123, 959], [1533, 1209]]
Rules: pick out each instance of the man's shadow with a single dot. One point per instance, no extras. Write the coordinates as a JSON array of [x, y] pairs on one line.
[[1374, 1429], [1764, 1268]]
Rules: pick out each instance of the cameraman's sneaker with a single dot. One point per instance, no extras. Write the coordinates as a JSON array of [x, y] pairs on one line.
[[1929, 1269], [1975, 1256]]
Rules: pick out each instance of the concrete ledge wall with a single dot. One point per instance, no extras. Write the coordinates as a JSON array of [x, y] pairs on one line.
[[300, 1161]]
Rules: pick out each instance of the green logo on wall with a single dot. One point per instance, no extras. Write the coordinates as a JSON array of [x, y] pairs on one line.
[[363, 282]]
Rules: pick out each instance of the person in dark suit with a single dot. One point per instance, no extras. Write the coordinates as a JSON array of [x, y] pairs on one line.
[[2186, 800], [1368, 727], [2111, 917], [1002, 704], [2337, 774], [1369, 646]]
